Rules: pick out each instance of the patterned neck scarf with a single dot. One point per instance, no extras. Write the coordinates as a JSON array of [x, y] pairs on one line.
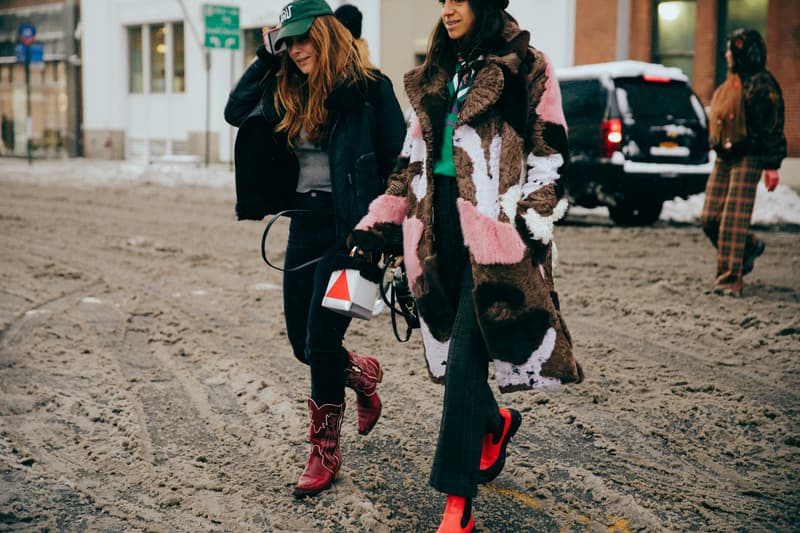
[[461, 82], [458, 88]]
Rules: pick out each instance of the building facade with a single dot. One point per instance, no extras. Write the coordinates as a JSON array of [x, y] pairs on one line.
[[132, 79], [691, 34], [149, 95], [41, 104]]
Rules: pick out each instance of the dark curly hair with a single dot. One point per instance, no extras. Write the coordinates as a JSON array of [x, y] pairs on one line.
[[749, 51], [486, 35]]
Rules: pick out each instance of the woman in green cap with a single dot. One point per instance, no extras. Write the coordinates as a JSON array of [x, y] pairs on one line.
[[477, 192], [318, 131]]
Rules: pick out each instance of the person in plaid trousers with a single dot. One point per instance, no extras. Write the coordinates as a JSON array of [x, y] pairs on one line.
[[746, 127]]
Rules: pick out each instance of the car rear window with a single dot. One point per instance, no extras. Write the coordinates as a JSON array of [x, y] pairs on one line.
[[583, 100], [657, 100]]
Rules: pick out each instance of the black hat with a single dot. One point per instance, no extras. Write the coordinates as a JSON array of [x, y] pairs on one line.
[[749, 51], [350, 17]]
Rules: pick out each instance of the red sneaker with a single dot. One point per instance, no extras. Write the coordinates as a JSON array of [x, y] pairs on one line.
[[457, 516], [493, 453]]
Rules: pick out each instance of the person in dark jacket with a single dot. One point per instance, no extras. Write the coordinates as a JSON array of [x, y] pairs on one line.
[[477, 193], [746, 128], [318, 131], [350, 16]]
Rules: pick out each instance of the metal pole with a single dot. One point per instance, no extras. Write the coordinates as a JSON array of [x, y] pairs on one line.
[[230, 128], [208, 104], [623, 29], [28, 120], [201, 45]]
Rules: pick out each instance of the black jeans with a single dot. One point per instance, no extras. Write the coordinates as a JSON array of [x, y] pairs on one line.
[[315, 333], [470, 409]]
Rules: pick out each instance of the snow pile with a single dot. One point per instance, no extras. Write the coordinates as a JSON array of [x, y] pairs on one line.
[[781, 206]]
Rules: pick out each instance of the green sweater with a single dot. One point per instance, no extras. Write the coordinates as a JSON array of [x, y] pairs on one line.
[[458, 87]]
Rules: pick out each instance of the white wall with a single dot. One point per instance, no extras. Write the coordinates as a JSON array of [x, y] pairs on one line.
[[552, 27], [106, 101], [107, 105]]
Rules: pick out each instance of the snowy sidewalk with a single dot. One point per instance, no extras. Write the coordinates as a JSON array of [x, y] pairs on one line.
[[779, 207]]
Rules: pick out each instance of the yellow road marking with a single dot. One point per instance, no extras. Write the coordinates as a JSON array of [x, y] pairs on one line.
[[616, 525], [619, 525], [522, 498]]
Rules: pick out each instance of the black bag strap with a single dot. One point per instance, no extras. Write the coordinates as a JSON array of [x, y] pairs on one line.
[[272, 221], [407, 308]]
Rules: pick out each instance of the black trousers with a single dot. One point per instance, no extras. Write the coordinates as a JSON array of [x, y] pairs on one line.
[[469, 408], [315, 333]]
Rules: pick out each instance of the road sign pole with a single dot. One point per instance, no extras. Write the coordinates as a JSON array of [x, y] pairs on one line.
[[208, 104], [230, 130], [28, 119], [26, 35]]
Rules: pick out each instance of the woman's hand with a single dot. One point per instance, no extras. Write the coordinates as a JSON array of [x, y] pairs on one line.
[[771, 179]]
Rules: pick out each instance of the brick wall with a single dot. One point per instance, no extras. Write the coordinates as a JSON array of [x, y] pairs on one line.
[[595, 31], [783, 60], [705, 51], [783, 47], [13, 4], [640, 45]]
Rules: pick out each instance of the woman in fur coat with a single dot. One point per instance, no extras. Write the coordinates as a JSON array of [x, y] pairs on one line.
[[746, 127], [476, 192]]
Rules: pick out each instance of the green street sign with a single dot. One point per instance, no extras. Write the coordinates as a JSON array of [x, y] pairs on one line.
[[222, 26]]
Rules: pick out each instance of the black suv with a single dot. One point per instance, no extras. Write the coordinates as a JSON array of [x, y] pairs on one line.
[[638, 135]]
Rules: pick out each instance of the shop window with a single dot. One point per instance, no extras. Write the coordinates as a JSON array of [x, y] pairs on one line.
[[750, 14], [135, 73], [156, 58], [675, 26], [178, 59], [735, 14]]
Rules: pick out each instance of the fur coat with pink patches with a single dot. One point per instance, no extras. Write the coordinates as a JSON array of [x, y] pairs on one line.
[[510, 146]]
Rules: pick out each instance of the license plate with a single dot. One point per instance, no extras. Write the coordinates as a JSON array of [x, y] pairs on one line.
[[670, 151]]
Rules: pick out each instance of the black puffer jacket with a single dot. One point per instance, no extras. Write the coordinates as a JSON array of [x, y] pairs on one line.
[[763, 102], [366, 135]]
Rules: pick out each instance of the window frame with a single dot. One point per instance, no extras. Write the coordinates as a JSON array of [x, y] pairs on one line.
[[169, 86], [689, 53], [724, 28]]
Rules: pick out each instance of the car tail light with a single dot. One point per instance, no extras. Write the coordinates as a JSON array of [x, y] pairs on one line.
[[610, 136], [657, 79]]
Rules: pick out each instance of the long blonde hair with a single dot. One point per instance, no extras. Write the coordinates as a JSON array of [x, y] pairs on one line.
[[302, 98]]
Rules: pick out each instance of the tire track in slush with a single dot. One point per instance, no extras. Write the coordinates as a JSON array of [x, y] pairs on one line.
[[393, 489], [85, 263], [179, 435], [275, 423], [767, 392], [222, 460], [72, 406], [652, 455]]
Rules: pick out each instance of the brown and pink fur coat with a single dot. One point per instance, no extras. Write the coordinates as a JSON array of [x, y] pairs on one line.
[[509, 150]]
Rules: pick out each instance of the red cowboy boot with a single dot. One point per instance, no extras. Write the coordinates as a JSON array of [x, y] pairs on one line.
[[325, 456], [363, 375], [457, 516], [493, 452]]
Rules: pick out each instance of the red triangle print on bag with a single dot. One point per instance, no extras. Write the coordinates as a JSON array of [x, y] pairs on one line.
[[340, 290]]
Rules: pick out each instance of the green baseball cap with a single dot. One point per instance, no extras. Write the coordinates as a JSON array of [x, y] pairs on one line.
[[296, 18]]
